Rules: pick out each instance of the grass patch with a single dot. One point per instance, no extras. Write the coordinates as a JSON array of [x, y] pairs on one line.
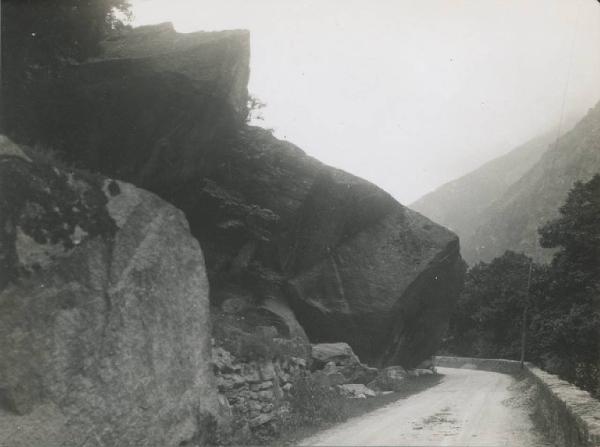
[[315, 410]]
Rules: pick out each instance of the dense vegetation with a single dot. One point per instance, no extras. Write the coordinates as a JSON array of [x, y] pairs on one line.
[[47, 32], [562, 304], [39, 37]]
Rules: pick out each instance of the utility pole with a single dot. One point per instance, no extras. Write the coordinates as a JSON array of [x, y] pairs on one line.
[[524, 320]]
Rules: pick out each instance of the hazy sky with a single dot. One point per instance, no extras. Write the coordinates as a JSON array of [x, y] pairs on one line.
[[408, 93]]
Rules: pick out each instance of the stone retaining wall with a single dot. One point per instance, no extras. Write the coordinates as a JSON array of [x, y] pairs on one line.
[[569, 416], [253, 392], [494, 365]]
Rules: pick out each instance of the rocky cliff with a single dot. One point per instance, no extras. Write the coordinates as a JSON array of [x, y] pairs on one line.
[[104, 313], [166, 112]]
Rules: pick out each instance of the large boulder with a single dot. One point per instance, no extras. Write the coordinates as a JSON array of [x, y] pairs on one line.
[[338, 353], [339, 364], [355, 373], [388, 289], [104, 325], [164, 111]]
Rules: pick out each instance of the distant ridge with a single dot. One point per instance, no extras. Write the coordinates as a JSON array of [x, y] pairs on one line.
[[500, 205], [461, 204]]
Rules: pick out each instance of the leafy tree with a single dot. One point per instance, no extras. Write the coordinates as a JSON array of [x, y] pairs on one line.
[[568, 323], [564, 298], [44, 32], [487, 319], [577, 235], [40, 36], [255, 107]]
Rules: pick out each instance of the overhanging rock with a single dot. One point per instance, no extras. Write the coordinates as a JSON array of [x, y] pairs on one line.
[[162, 110]]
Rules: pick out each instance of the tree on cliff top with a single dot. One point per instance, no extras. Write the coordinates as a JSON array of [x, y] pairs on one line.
[[39, 36], [44, 32]]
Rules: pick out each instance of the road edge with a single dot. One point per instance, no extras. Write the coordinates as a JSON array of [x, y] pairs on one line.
[[568, 415]]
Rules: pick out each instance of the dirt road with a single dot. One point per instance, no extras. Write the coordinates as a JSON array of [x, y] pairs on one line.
[[467, 408]]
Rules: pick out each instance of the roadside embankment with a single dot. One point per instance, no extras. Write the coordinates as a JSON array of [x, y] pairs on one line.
[[569, 415]]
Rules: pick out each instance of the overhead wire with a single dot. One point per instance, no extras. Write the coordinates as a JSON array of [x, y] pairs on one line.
[[536, 247], [569, 73]]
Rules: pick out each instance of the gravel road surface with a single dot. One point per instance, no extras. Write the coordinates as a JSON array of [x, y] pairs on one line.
[[467, 408]]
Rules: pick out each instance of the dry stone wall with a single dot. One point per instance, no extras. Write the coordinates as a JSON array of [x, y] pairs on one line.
[[254, 391]]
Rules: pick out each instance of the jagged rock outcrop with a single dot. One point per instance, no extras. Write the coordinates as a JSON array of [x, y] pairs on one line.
[[274, 223], [104, 325]]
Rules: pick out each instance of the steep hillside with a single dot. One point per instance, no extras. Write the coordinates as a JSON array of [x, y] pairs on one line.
[[499, 206], [512, 220], [167, 112], [462, 204]]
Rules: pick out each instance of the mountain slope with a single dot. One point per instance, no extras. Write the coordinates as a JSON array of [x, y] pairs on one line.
[[461, 203], [499, 206], [511, 222]]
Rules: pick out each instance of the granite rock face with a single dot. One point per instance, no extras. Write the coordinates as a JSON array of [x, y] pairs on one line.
[[386, 291], [104, 325], [274, 224], [143, 111]]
